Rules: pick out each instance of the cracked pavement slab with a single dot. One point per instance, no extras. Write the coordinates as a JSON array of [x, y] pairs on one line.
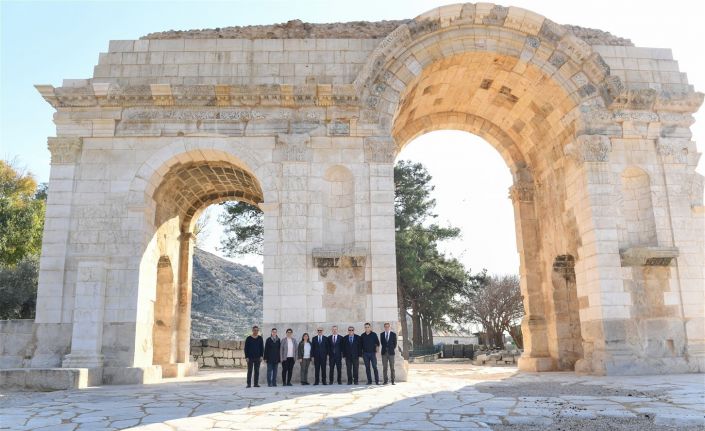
[[445, 395]]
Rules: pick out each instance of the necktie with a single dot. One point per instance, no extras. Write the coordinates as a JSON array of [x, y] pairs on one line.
[[319, 339], [351, 338], [334, 338]]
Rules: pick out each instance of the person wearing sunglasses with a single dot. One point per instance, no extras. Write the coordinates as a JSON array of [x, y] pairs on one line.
[[352, 350]]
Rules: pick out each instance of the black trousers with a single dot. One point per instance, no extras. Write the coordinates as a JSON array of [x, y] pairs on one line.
[[320, 365], [335, 363], [352, 367], [252, 364], [287, 369]]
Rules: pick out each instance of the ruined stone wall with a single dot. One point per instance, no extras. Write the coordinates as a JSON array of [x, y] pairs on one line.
[[210, 353]]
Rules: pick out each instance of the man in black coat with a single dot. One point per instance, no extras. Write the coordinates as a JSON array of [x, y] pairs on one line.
[[388, 340], [335, 353], [272, 352], [370, 343], [352, 350], [319, 352], [254, 350]]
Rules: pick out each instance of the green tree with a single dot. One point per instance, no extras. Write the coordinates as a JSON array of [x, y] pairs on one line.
[[18, 288], [244, 229], [427, 280], [22, 206]]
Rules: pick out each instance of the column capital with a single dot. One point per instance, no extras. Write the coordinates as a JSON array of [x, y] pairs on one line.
[[522, 191], [64, 150], [589, 148], [186, 236]]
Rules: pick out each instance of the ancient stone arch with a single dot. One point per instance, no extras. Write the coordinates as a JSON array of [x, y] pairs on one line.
[[306, 121]]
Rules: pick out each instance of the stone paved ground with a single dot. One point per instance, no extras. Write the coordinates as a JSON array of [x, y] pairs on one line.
[[448, 395]]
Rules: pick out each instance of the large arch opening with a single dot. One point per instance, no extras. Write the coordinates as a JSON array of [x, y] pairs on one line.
[[184, 189], [528, 117]]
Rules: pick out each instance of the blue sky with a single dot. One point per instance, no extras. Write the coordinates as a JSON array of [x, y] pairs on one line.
[[45, 42]]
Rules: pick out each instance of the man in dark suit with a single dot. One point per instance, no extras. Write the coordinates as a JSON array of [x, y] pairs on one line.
[[335, 353], [319, 352], [388, 340], [352, 351]]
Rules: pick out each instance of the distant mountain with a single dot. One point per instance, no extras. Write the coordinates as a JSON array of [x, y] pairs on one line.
[[227, 297]]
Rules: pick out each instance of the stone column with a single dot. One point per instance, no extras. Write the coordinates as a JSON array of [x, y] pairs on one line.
[[534, 329], [87, 335], [53, 322], [183, 311]]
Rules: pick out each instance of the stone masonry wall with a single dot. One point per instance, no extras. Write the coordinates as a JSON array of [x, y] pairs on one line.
[[16, 345], [210, 353]]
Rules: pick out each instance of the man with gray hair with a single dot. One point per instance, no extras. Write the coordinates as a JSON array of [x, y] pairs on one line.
[[335, 353]]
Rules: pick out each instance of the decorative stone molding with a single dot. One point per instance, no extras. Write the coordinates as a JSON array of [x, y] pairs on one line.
[[293, 147], [333, 257], [589, 148], [162, 95], [64, 150], [380, 150], [200, 95], [522, 191], [672, 150], [648, 256]]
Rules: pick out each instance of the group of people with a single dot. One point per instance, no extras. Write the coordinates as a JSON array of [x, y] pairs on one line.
[[321, 349]]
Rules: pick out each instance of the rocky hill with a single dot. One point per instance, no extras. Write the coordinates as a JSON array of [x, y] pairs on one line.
[[227, 297]]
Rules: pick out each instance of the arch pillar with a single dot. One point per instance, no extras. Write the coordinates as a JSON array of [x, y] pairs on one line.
[[183, 316], [536, 355]]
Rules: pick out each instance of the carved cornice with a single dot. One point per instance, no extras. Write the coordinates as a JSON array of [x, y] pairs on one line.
[[649, 99], [113, 95], [589, 148], [64, 150]]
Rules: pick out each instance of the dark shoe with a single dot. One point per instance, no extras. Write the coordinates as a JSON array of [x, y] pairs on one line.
[[257, 386], [339, 382], [392, 381], [315, 384], [350, 383], [385, 382], [324, 383], [377, 383], [369, 382], [248, 386], [355, 382]]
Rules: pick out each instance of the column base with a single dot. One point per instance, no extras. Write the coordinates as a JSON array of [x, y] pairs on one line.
[[82, 360], [536, 365], [179, 370], [132, 375], [49, 379], [627, 365]]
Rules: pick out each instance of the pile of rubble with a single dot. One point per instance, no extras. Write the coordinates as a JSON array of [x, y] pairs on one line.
[[497, 357]]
